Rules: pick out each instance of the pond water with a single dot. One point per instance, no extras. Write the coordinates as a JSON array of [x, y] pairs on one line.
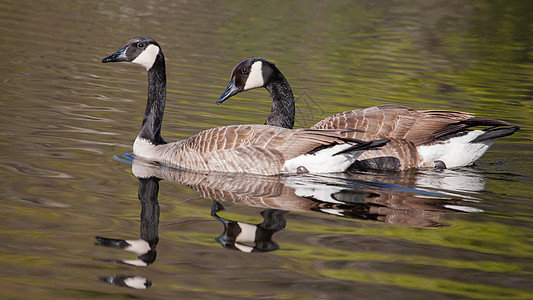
[[68, 123]]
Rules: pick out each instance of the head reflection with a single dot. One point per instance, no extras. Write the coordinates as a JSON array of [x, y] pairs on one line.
[[247, 237]]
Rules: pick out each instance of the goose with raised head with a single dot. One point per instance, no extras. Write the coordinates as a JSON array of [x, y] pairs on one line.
[[258, 149], [419, 137]]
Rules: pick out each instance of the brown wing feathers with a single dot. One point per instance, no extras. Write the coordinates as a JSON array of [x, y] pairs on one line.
[[248, 148], [398, 122]]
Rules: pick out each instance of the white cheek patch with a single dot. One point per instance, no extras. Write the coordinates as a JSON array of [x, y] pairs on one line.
[[247, 234], [136, 282], [147, 57], [138, 246], [255, 79]]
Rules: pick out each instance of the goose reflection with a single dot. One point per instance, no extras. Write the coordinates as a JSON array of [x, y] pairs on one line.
[[145, 246], [395, 198], [407, 198]]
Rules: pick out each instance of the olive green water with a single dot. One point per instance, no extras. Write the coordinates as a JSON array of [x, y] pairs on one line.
[[67, 120]]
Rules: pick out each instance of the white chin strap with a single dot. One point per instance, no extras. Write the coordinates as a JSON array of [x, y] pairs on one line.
[[255, 79], [147, 57]]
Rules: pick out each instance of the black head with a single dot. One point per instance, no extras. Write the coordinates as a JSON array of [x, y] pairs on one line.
[[251, 73], [139, 50]]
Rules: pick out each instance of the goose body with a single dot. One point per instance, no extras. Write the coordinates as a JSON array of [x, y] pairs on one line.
[[418, 137], [258, 149]]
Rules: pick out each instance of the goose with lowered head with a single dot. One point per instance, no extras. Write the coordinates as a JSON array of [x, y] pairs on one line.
[[418, 137], [258, 149]]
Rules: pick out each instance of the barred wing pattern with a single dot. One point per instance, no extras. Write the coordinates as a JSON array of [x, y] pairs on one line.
[[406, 127], [257, 149]]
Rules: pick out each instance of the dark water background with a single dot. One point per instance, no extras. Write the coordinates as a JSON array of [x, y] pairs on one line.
[[454, 234]]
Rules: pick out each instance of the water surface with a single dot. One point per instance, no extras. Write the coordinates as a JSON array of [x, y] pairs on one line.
[[67, 120]]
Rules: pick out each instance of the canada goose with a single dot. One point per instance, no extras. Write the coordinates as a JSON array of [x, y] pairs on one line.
[[145, 246], [419, 138], [259, 149]]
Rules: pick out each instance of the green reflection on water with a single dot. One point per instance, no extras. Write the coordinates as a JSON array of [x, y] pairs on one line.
[[471, 57], [488, 238], [482, 237], [476, 291]]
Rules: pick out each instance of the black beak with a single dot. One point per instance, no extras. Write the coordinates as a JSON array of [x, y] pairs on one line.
[[120, 55], [231, 90]]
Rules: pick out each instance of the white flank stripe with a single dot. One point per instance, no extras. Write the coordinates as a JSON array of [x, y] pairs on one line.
[[255, 79], [147, 57], [323, 161]]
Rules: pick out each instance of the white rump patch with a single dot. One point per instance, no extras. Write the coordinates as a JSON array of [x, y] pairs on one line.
[[323, 161], [255, 79], [455, 152], [147, 57]]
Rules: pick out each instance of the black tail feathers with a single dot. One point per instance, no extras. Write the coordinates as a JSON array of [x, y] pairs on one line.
[[496, 133], [361, 145]]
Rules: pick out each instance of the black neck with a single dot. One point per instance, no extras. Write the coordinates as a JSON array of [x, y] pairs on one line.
[[148, 192], [283, 111], [155, 106]]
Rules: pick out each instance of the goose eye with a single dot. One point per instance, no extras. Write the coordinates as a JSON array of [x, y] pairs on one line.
[[140, 45], [244, 70]]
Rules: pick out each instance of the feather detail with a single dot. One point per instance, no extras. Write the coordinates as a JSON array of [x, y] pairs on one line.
[[257, 149]]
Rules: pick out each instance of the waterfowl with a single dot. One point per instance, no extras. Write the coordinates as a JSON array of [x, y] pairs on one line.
[[419, 137], [257, 149]]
